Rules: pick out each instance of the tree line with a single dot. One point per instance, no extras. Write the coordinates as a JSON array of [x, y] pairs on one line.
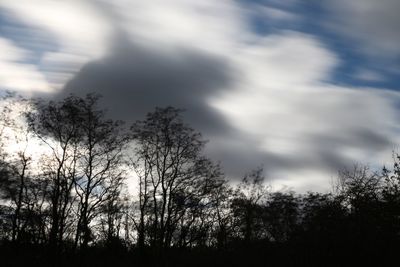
[[65, 168]]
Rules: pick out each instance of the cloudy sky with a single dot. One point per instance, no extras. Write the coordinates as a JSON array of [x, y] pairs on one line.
[[302, 87]]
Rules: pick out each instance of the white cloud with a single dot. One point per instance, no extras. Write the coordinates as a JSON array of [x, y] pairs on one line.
[[80, 33], [17, 75], [11, 52], [60, 67], [286, 58], [208, 25], [77, 26], [302, 181]]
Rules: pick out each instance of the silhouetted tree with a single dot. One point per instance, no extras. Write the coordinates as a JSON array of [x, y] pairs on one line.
[[71, 194], [16, 179], [98, 172], [391, 200], [250, 194], [114, 218], [173, 176], [323, 218], [360, 191], [57, 125], [282, 215], [222, 198]]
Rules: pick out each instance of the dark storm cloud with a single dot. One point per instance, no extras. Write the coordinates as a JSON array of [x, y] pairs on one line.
[[354, 138], [133, 80], [324, 152], [330, 147]]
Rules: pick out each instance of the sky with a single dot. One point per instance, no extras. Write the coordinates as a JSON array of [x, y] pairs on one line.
[[303, 88]]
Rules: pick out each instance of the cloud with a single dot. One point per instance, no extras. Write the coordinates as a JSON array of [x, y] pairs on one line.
[[260, 99], [269, 105], [278, 14], [301, 123], [16, 75], [61, 36], [76, 25], [287, 58], [375, 25], [213, 26], [369, 75], [134, 80]]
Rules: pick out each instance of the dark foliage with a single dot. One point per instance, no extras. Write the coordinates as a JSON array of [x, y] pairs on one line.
[[68, 204]]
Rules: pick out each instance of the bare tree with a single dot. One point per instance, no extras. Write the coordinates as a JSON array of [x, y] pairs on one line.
[[358, 185], [99, 166], [57, 125], [171, 172], [86, 154], [17, 176], [249, 195]]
